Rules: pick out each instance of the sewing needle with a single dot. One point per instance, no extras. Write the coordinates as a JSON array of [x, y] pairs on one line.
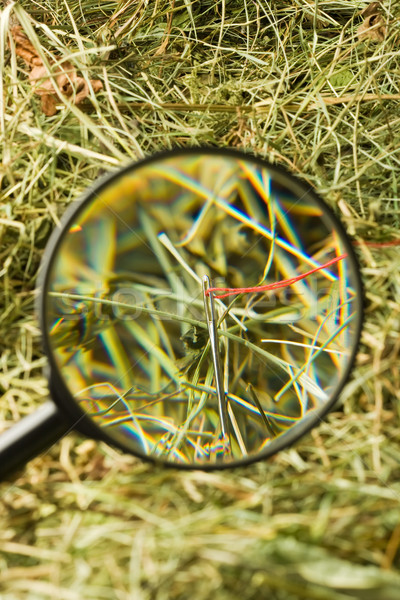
[[209, 306]]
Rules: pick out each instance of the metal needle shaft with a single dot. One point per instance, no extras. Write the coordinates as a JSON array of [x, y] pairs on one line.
[[209, 306]]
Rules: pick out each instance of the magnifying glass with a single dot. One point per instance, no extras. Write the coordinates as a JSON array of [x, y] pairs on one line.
[[201, 308]]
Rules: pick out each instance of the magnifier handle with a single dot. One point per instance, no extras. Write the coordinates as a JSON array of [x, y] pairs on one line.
[[30, 436]]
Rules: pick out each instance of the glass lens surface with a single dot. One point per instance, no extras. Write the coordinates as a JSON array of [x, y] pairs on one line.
[[170, 370]]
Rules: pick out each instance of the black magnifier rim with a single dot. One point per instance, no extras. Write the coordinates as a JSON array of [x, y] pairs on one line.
[[58, 388]]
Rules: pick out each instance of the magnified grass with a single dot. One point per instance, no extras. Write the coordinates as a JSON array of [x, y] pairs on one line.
[[137, 320]]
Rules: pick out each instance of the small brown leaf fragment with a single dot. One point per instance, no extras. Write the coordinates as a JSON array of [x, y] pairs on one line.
[[49, 105], [372, 9], [24, 48], [62, 79], [373, 28]]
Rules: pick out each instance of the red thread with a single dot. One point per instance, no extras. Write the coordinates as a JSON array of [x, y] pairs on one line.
[[286, 282], [378, 244], [271, 286]]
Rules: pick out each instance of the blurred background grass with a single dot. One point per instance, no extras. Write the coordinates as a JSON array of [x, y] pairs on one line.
[[287, 80]]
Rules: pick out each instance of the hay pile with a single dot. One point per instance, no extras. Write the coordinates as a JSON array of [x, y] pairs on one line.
[[303, 88]]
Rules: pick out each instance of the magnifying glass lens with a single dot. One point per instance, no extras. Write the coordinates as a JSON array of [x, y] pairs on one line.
[[126, 322]]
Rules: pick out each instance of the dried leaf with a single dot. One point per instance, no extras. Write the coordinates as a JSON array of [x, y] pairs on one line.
[[62, 79], [372, 9], [49, 105], [24, 48], [373, 28]]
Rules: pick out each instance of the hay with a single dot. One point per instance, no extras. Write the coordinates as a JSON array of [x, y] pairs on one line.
[[319, 521]]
